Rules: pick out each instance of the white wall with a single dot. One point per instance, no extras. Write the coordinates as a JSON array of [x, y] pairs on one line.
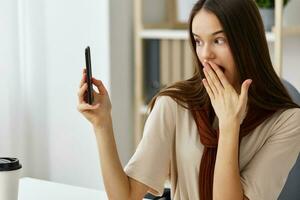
[[69, 27], [9, 60], [291, 65], [42, 56], [32, 84], [122, 74], [291, 45]]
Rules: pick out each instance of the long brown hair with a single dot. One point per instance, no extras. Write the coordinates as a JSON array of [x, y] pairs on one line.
[[245, 33]]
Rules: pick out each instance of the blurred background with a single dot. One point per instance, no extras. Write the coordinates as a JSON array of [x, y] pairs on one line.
[[42, 46]]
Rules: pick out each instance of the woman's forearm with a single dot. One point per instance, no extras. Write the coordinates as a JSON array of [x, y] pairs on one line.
[[115, 180], [227, 183]]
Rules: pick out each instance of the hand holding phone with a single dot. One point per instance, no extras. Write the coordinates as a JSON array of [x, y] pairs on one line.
[[89, 97], [94, 105]]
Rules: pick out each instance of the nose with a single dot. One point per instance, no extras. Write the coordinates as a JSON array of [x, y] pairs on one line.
[[206, 53]]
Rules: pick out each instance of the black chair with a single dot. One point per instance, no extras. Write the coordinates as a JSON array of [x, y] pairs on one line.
[[291, 189], [294, 93], [166, 195]]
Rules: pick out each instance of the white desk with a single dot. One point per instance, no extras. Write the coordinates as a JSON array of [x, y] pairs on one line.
[[34, 189]]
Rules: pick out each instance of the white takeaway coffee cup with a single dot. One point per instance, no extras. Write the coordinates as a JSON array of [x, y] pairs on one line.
[[10, 172]]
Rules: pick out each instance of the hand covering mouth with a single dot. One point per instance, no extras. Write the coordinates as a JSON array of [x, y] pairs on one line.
[[222, 68]]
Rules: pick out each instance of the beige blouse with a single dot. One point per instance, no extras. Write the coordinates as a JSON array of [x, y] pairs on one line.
[[171, 150]]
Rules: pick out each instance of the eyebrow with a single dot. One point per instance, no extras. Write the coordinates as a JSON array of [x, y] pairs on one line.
[[215, 33]]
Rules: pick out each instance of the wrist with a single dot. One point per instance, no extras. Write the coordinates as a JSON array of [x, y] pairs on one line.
[[229, 128], [229, 124], [103, 126]]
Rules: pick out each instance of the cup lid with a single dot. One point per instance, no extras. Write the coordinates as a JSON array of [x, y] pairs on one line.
[[9, 164]]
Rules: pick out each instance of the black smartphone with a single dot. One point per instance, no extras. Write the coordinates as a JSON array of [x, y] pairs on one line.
[[89, 97]]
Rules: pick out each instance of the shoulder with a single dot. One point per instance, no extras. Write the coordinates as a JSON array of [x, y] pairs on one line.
[[171, 104], [288, 117], [287, 124], [165, 103], [164, 109], [165, 100], [161, 119]]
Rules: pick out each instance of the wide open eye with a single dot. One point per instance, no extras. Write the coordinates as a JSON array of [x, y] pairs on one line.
[[198, 42], [220, 40]]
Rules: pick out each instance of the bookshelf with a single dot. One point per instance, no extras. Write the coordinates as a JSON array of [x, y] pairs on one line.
[[178, 39]]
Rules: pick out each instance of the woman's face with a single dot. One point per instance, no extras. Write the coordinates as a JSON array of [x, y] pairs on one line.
[[212, 45]]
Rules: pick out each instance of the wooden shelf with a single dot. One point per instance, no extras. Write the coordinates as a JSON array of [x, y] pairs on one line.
[[183, 34], [172, 34], [164, 34], [291, 31]]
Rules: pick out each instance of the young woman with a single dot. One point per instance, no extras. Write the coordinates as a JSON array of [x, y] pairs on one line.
[[229, 132]]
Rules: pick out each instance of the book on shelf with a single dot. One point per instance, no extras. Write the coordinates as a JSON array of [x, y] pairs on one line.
[[165, 62], [176, 61], [188, 67], [165, 66], [151, 71]]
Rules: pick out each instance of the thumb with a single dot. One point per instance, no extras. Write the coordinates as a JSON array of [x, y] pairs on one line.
[[245, 87]]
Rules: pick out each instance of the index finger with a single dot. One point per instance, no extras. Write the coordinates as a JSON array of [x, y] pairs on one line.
[[83, 80], [220, 74]]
